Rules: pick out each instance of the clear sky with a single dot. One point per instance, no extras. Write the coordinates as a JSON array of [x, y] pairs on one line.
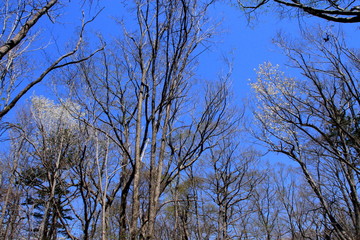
[[247, 44]]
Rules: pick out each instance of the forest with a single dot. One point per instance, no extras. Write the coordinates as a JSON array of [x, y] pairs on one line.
[[115, 134]]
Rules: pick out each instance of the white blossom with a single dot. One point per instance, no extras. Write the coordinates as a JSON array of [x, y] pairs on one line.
[[274, 106], [51, 117]]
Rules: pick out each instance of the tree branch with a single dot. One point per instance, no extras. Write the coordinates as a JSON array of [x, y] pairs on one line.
[[12, 43]]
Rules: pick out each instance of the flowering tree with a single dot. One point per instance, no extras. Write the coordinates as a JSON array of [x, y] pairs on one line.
[[315, 121], [49, 147]]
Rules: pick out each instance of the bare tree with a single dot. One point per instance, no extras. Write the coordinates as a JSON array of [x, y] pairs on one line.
[[17, 37], [84, 176], [314, 121], [140, 95], [11, 192], [266, 217], [344, 11], [232, 183], [302, 214]]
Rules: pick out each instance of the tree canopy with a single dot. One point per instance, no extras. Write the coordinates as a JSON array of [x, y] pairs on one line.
[[124, 138]]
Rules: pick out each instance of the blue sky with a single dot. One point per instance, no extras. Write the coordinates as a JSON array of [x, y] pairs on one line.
[[247, 44]]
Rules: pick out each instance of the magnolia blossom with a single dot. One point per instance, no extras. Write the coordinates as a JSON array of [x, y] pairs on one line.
[[51, 117], [274, 106]]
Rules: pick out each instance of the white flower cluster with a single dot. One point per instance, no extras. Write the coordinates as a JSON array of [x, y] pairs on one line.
[[53, 117], [275, 94]]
